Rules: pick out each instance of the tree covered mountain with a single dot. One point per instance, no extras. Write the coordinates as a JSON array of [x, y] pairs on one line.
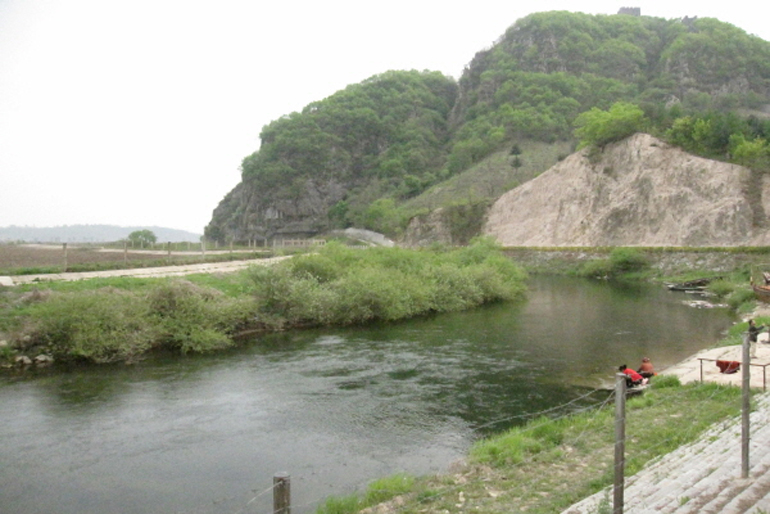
[[363, 155]]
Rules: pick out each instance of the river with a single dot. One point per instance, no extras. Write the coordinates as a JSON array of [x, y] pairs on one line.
[[334, 408]]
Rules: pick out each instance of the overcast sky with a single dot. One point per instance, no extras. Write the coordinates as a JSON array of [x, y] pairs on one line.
[[139, 112]]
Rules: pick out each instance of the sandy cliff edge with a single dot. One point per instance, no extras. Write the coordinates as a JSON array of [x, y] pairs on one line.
[[640, 191]]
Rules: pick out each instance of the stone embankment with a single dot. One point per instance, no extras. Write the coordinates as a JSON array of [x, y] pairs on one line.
[[706, 476]]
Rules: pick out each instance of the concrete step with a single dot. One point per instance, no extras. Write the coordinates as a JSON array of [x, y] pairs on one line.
[[703, 477]]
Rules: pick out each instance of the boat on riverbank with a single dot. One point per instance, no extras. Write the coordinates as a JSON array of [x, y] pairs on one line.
[[762, 291], [691, 286]]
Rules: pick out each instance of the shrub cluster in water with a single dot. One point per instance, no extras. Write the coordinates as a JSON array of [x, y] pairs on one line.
[[335, 286]]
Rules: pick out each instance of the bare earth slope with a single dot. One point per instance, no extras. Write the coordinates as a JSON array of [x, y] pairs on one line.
[[640, 191]]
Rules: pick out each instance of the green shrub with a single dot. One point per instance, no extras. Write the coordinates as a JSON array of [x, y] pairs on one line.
[[320, 266], [103, 325], [188, 317], [380, 294], [340, 505], [621, 261], [453, 290], [740, 296], [626, 260], [721, 288], [507, 449], [387, 488], [598, 268], [377, 492], [7, 354], [551, 431], [664, 381]]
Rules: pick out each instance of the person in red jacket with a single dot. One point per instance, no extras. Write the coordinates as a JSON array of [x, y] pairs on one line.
[[633, 379]]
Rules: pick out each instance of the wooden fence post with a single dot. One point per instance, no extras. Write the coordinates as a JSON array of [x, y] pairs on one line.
[[746, 407], [620, 443], [64, 249], [281, 493]]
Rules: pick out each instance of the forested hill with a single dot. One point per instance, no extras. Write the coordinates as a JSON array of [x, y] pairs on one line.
[[363, 155]]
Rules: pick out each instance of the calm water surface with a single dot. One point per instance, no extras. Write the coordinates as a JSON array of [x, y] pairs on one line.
[[333, 408]]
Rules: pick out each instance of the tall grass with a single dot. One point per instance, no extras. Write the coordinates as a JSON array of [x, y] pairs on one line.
[[102, 325], [342, 286]]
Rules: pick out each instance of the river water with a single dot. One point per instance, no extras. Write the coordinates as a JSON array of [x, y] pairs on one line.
[[334, 408]]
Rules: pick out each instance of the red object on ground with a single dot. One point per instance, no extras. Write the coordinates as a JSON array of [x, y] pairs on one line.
[[728, 367]]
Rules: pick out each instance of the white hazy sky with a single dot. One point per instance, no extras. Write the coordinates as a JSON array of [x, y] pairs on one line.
[[139, 112]]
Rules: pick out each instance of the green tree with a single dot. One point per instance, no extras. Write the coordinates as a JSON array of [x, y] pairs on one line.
[[754, 154], [383, 216], [597, 127], [142, 237]]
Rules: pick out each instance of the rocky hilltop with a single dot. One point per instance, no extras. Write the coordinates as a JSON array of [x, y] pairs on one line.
[[373, 154], [640, 191]]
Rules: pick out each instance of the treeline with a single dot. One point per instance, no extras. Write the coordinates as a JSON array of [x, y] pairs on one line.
[[712, 134], [122, 319], [549, 68]]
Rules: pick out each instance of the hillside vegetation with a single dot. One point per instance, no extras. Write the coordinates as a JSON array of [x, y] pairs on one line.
[[364, 156]]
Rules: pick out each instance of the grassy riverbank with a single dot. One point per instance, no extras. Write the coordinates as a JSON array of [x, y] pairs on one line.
[[548, 464], [121, 319]]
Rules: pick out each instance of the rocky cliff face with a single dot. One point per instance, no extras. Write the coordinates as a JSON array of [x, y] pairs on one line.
[[640, 191], [252, 213]]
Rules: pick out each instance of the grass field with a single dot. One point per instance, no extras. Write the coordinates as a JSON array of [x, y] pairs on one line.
[[23, 259]]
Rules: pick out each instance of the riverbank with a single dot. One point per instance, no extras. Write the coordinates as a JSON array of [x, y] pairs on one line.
[[707, 475], [664, 261], [548, 465]]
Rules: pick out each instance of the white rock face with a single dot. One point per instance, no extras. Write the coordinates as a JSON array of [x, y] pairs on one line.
[[640, 191]]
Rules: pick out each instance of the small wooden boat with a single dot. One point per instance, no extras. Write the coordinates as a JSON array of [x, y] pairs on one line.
[[762, 293], [692, 285]]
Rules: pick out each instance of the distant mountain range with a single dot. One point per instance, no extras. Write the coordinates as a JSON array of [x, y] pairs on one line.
[[90, 234]]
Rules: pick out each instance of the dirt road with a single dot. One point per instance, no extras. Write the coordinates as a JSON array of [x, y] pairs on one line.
[[163, 271]]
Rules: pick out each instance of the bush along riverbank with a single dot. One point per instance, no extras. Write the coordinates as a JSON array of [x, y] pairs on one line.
[[121, 319]]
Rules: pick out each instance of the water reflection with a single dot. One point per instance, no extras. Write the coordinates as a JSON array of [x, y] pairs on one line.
[[335, 408]]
